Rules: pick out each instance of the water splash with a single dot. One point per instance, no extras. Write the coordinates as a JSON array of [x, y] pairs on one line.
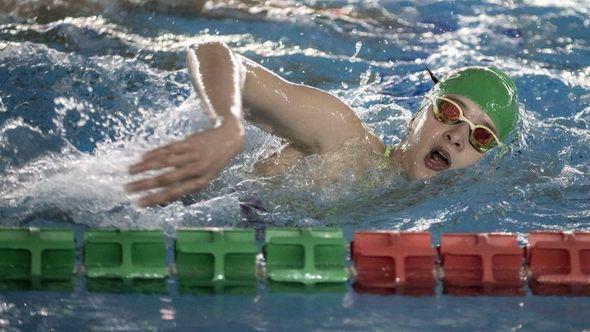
[[85, 95]]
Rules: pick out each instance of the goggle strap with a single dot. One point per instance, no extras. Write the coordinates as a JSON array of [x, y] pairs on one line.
[[432, 77]]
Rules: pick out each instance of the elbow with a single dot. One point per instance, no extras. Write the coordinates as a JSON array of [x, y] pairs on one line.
[[214, 51], [209, 47], [210, 53]]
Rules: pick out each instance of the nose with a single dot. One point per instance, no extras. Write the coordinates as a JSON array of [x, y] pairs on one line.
[[457, 135]]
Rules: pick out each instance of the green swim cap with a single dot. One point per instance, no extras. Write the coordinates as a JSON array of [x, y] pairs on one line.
[[490, 88]]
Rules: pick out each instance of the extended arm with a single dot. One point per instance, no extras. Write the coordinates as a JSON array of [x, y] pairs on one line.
[[313, 120]]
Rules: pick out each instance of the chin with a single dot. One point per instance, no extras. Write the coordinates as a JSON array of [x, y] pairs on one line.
[[420, 174], [425, 176]]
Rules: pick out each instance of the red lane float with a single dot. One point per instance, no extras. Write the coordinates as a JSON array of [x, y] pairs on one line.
[[559, 262], [482, 262], [401, 262]]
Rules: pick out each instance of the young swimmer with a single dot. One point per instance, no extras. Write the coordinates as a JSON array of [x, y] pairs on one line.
[[467, 113]]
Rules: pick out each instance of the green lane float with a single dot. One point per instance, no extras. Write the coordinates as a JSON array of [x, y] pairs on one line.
[[37, 258], [216, 260], [305, 256], [125, 259]]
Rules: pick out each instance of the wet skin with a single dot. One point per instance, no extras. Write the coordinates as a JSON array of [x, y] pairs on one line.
[[311, 120], [410, 158], [426, 133]]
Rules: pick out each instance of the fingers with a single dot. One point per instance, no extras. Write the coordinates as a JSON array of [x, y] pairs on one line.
[[183, 173], [173, 148], [163, 161], [194, 161], [171, 155], [172, 193]]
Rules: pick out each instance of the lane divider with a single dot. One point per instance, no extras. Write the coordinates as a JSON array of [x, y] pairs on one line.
[[34, 255], [125, 259], [491, 263], [219, 259], [124, 254], [559, 263], [212, 260], [394, 262], [306, 256]]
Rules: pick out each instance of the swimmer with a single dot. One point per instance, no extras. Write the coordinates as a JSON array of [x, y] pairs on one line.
[[466, 114]]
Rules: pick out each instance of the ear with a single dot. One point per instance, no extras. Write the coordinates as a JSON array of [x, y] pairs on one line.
[[410, 123], [413, 119]]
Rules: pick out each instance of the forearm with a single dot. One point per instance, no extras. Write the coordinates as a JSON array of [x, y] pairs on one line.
[[215, 74]]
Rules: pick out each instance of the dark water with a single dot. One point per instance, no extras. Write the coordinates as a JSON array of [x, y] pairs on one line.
[[86, 86]]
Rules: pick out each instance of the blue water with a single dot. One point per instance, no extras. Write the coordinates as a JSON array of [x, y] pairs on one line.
[[86, 87]]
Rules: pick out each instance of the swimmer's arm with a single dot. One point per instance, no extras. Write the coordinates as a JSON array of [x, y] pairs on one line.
[[199, 158], [313, 120]]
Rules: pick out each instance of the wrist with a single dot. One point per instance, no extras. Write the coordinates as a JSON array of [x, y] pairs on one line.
[[232, 125], [233, 129]]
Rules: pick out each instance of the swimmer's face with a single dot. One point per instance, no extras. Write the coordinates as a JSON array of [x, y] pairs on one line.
[[433, 146]]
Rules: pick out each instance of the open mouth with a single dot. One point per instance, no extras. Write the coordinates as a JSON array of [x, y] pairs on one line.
[[438, 159]]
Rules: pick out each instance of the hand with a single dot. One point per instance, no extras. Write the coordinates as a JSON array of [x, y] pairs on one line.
[[195, 161]]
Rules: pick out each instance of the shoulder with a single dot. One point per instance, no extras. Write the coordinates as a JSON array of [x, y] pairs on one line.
[[365, 143], [279, 162], [359, 153]]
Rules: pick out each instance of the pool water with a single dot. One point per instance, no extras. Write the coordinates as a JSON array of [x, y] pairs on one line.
[[87, 86]]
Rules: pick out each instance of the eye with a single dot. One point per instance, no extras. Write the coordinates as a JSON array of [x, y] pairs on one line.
[[482, 136], [449, 111]]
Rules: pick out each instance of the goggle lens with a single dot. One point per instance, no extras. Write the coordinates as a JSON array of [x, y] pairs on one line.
[[482, 139], [449, 112]]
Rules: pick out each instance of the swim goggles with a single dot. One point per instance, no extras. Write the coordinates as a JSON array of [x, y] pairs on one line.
[[449, 112]]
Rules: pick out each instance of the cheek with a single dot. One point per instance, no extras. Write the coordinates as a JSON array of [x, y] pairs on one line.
[[425, 128]]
